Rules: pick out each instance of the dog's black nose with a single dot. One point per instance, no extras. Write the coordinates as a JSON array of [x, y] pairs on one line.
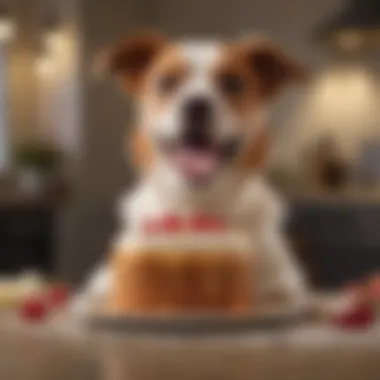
[[197, 115], [198, 112]]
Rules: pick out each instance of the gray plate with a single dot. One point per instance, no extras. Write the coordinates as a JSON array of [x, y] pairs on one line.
[[268, 319]]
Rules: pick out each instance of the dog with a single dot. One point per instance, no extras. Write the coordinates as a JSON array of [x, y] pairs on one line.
[[201, 143]]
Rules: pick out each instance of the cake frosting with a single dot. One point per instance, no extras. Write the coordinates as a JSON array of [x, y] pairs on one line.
[[207, 241]]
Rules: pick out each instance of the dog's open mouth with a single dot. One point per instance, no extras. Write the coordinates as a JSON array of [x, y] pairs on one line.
[[200, 161]]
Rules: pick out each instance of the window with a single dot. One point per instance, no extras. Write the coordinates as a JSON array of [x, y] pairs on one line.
[[4, 136]]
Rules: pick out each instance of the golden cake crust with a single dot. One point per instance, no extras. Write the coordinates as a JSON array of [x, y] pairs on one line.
[[180, 276]]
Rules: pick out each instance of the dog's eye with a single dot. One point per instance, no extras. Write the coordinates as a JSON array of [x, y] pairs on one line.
[[168, 83], [231, 84]]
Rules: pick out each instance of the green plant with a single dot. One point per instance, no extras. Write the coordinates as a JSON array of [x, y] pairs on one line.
[[37, 156]]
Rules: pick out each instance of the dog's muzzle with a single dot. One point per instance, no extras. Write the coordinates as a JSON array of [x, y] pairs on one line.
[[197, 154], [199, 160]]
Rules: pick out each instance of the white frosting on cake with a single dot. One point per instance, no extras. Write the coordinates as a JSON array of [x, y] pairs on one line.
[[208, 241]]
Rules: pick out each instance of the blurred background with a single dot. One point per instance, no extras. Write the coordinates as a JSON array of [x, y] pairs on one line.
[[62, 165]]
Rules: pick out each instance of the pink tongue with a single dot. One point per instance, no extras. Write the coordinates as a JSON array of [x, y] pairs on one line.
[[196, 164]]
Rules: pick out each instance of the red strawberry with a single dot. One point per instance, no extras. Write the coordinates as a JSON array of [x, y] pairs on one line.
[[206, 223], [58, 295], [172, 223], [361, 315], [34, 309]]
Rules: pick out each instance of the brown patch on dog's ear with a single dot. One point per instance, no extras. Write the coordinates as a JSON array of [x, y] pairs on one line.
[[271, 65], [140, 150], [256, 155], [131, 58]]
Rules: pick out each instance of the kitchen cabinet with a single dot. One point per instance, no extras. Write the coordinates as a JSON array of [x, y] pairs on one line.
[[338, 242], [26, 237]]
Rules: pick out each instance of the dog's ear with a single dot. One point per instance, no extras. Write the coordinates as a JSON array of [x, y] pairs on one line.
[[271, 65], [131, 58]]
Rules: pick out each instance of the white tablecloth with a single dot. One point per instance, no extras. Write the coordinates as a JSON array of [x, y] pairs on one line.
[[64, 351]]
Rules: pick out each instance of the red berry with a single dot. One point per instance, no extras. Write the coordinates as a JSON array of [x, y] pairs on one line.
[[172, 223], [359, 316], [33, 309], [58, 295], [206, 223]]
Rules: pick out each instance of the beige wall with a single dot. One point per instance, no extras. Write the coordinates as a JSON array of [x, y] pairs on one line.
[[22, 80], [59, 90], [100, 170], [30, 96]]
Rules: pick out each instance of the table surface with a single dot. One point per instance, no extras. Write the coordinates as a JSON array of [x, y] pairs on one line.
[[63, 349]]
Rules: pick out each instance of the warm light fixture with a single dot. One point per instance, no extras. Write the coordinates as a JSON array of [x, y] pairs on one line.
[[44, 63], [51, 40], [7, 27], [349, 40], [52, 35], [355, 26], [44, 66]]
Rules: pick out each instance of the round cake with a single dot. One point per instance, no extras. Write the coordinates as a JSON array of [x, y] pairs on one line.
[[182, 271]]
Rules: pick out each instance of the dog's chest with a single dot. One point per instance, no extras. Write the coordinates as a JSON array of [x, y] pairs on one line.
[[245, 209]]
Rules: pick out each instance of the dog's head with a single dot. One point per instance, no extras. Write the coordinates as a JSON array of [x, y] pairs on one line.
[[201, 103]]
